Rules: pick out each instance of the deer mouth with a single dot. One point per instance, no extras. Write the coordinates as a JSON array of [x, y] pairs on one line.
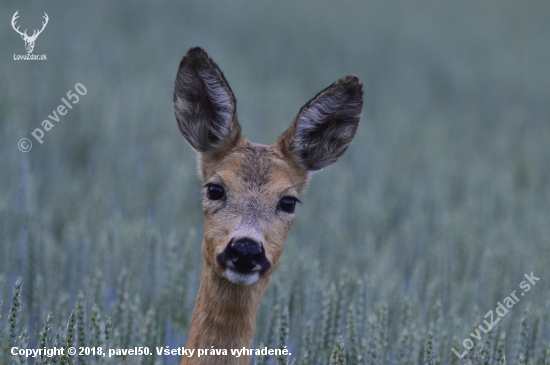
[[243, 261]]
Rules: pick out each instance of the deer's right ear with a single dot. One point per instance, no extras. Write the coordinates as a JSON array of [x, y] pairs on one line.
[[204, 103]]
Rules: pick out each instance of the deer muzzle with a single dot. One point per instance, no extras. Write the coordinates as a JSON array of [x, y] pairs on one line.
[[243, 261]]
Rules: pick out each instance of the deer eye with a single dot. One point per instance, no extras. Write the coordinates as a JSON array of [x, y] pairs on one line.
[[288, 203], [214, 192]]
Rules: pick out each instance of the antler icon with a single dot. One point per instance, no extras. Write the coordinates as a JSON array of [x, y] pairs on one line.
[[29, 41]]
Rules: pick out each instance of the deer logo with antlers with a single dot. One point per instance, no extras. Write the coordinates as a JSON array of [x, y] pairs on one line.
[[29, 41]]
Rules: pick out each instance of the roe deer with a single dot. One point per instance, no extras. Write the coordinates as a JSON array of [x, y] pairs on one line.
[[250, 194]]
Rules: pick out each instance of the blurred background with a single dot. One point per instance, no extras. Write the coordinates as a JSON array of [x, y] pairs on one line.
[[435, 213]]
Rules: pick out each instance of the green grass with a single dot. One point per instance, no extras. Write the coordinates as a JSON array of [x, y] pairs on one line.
[[435, 213]]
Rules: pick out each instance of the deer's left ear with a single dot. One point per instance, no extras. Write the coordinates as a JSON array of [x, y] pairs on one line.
[[325, 125]]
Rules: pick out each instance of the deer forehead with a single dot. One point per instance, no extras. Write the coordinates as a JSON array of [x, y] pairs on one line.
[[254, 173]]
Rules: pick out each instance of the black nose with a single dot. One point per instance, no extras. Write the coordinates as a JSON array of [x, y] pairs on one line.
[[246, 247], [244, 255]]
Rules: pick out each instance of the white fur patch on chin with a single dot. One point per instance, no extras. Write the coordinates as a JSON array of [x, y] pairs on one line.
[[241, 279]]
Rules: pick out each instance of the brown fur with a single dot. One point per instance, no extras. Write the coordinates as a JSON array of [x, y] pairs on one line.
[[255, 178]]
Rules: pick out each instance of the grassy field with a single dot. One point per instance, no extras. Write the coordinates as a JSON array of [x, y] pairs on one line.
[[432, 218]]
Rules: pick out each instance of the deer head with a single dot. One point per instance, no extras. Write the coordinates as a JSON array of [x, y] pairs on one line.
[[29, 41], [251, 190]]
